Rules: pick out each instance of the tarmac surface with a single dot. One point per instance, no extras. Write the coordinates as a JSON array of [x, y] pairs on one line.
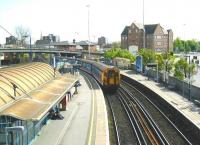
[[187, 108]]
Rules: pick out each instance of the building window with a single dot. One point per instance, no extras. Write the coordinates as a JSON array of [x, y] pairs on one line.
[[158, 43], [129, 31], [158, 37]]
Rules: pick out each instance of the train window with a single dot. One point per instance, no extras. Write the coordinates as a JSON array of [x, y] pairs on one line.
[[110, 74]]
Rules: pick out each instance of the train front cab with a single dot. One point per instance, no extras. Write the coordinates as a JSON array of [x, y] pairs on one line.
[[111, 79]]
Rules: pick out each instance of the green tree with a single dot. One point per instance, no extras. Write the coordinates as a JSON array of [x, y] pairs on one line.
[[170, 63], [192, 45], [148, 56], [117, 52], [160, 61], [178, 45], [181, 68], [186, 46]]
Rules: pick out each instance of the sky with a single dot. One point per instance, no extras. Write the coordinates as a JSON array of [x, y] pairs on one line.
[[69, 18]]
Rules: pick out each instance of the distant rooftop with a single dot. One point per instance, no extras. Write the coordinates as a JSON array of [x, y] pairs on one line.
[[62, 43], [149, 29], [85, 43]]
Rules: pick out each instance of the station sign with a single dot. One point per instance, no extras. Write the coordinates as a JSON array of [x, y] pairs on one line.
[[138, 63]]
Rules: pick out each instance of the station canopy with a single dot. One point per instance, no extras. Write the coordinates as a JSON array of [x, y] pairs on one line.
[[29, 91]]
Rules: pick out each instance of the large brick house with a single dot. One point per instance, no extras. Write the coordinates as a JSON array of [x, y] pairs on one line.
[[156, 37]]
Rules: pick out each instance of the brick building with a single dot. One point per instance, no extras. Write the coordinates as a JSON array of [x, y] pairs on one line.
[[47, 40], [156, 37], [102, 41], [11, 40]]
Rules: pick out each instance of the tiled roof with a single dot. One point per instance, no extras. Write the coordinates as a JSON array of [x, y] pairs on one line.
[[149, 29], [82, 43], [125, 31]]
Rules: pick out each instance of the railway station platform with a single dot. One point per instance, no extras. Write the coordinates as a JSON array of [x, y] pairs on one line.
[[184, 106], [30, 95], [85, 120]]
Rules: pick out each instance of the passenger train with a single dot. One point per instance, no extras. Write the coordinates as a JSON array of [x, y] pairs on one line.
[[107, 76]]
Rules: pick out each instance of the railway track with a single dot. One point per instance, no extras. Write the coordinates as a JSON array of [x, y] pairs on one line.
[[163, 130], [137, 120], [124, 127]]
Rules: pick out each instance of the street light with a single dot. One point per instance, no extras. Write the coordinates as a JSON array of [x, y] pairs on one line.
[[30, 54], [184, 38], [166, 72], [88, 6], [143, 27]]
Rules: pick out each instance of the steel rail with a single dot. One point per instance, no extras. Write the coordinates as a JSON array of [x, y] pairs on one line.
[[133, 121], [168, 120], [115, 122], [139, 117], [148, 123]]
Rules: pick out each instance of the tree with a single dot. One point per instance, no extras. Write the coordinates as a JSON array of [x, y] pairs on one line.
[[170, 63], [117, 52], [178, 45], [21, 33], [160, 61], [148, 56], [180, 69], [186, 46], [192, 45]]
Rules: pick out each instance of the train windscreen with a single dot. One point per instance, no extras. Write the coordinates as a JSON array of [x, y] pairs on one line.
[[111, 74]]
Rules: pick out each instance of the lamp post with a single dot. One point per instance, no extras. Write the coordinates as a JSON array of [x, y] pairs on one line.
[[166, 72], [189, 91], [189, 75], [143, 26], [30, 54], [88, 6]]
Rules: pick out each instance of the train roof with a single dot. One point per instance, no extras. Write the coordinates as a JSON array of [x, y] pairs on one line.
[[100, 65]]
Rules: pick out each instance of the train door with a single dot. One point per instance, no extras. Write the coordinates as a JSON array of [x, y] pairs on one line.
[[111, 78]]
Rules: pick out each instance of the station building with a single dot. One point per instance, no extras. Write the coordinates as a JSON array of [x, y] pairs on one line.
[[29, 93]]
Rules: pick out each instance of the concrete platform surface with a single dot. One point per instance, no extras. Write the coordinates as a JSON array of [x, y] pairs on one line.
[[187, 108], [75, 128]]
